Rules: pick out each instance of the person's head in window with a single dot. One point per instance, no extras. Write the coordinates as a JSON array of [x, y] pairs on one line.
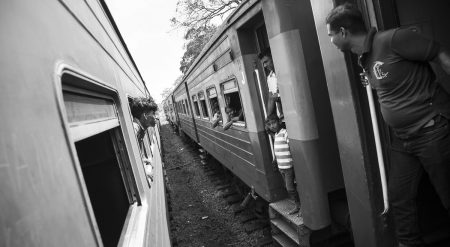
[[230, 111], [233, 114], [143, 110], [266, 60]]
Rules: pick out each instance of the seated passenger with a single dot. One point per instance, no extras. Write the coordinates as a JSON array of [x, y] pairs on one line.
[[143, 111], [217, 116], [233, 116], [283, 158]]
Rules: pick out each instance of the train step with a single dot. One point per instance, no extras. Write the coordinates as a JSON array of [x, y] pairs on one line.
[[288, 230], [282, 240]]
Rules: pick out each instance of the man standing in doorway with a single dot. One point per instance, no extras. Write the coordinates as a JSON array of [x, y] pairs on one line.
[[274, 105], [396, 64]]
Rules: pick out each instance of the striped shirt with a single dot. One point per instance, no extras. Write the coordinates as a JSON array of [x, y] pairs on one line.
[[282, 151]]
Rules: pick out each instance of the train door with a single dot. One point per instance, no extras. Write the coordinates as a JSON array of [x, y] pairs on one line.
[[306, 107], [432, 20]]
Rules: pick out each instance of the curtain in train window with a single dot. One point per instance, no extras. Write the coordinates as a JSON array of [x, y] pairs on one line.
[[196, 108], [233, 101], [201, 97]]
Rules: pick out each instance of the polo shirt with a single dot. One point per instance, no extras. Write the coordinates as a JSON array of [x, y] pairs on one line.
[[396, 63]]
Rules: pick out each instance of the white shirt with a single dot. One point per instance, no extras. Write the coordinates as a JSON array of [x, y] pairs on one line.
[[272, 82]]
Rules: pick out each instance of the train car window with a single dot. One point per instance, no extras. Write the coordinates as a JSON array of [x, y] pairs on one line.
[[201, 97], [92, 117], [214, 104], [233, 100], [196, 108]]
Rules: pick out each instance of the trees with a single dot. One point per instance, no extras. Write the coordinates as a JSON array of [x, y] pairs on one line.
[[196, 13], [197, 17], [166, 91], [196, 39]]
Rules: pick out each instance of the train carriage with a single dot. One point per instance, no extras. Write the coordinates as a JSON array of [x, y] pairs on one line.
[[326, 114], [169, 110], [71, 169], [228, 73]]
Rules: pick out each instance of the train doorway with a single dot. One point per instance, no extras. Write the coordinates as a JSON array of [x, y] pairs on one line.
[[432, 20]]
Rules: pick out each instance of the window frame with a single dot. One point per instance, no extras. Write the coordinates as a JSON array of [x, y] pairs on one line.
[[208, 89], [183, 103], [188, 112], [196, 106], [87, 84], [236, 89], [202, 94]]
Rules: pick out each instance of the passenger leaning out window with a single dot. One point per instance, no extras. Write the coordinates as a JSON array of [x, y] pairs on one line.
[[233, 116], [143, 111]]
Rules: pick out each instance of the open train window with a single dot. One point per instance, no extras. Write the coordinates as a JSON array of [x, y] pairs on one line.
[[214, 104], [105, 169], [232, 98], [201, 97], [196, 108]]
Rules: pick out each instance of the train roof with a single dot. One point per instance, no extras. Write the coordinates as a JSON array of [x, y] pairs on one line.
[[116, 29]]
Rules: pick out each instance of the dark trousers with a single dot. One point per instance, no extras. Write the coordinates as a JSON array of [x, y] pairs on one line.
[[289, 178], [429, 151]]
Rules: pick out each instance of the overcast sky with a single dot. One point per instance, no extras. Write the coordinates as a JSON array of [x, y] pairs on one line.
[[157, 51]]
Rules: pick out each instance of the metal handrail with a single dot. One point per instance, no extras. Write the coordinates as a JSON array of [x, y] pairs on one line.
[[264, 110], [376, 134]]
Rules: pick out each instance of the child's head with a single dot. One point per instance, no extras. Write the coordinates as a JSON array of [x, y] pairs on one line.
[[273, 123], [229, 111]]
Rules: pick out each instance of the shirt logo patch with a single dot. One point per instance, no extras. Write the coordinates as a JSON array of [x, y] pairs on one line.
[[379, 74]]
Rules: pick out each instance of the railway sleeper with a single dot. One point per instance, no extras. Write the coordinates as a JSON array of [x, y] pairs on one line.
[[233, 199], [237, 209], [255, 225], [245, 217], [229, 192]]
